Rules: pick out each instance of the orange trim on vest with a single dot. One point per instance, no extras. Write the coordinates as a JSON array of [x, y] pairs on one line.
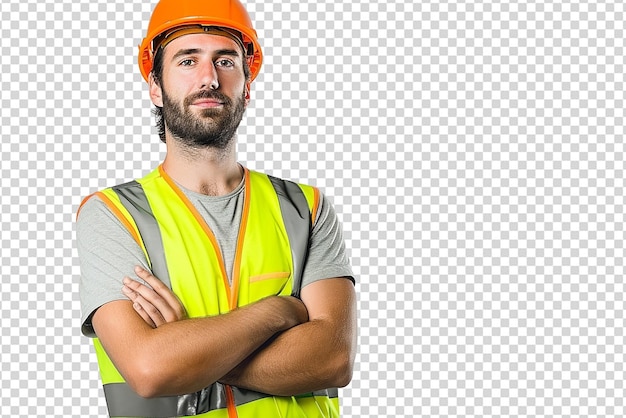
[[116, 212], [234, 296], [202, 224], [316, 203], [277, 275], [82, 203], [230, 402]]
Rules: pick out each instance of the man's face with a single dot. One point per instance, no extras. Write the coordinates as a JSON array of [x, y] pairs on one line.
[[203, 90]]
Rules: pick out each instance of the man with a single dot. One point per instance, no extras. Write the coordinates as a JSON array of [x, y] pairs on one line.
[[242, 301]]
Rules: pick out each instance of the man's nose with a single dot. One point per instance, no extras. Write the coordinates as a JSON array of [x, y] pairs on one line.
[[208, 77]]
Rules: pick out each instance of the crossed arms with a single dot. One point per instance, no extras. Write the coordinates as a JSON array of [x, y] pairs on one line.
[[279, 345]]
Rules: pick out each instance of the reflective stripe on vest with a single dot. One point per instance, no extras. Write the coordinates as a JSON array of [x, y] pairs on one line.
[[297, 219], [122, 401], [134, 200], [294, 206]]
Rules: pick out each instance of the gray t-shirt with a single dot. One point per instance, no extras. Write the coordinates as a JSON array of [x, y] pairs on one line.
[[108, 252]]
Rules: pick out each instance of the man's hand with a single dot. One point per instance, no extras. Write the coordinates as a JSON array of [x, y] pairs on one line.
[[157, 305], [200, 350]]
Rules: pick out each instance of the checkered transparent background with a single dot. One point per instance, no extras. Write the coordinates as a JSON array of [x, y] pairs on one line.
[[474, 153]]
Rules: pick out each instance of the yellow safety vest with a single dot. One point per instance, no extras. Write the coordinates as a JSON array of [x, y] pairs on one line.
[[268, 261]]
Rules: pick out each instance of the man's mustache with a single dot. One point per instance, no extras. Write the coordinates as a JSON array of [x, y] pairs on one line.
[[208, 94]]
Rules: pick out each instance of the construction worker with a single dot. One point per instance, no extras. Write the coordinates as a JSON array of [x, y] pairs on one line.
[[210, 289]]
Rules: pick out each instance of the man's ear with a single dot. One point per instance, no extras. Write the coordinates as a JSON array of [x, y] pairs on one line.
[[156, 93], [247, 93]]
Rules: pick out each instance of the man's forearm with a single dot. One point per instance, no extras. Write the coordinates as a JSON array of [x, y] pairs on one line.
[[311, 356], [186, 356], [300, 360]]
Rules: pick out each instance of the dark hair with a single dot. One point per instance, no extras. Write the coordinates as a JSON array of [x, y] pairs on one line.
[[157, 73]]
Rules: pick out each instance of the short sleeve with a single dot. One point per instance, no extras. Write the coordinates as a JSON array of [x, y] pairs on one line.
[[107, 253], [327, 257]]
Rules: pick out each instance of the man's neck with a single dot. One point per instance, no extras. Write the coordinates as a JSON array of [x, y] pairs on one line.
[[209, 171]]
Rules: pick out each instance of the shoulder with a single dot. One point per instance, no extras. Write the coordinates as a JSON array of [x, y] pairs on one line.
[[105, 200], [95, 202], [100, 214], [294, 191], [92, 207], [95, 219]]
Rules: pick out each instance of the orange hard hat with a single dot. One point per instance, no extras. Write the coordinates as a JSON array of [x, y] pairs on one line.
[[225, 14]]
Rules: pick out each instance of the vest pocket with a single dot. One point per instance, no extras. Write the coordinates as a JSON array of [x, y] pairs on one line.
[[269, 284]]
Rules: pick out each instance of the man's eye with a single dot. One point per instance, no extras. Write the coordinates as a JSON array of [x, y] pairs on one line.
[[186, 63], [224, 63]]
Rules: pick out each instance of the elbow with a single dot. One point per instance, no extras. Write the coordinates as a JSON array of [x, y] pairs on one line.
[[344, 375], [340, 363], [343, 380], [144, 387], [342, 369], [145, 390], [146, 380]]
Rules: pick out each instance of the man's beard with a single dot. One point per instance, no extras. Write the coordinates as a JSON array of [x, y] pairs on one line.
[[211, 127]]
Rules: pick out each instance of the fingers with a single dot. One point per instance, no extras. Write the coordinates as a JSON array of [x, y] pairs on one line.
[[171, 308], [144, 315], [150, 302], [154, 300], [149, 278], [145, 309]]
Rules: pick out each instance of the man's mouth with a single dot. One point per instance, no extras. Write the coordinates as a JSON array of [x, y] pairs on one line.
[[207, 103]]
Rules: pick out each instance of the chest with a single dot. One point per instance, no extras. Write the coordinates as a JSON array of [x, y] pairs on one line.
[[221, 260]]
